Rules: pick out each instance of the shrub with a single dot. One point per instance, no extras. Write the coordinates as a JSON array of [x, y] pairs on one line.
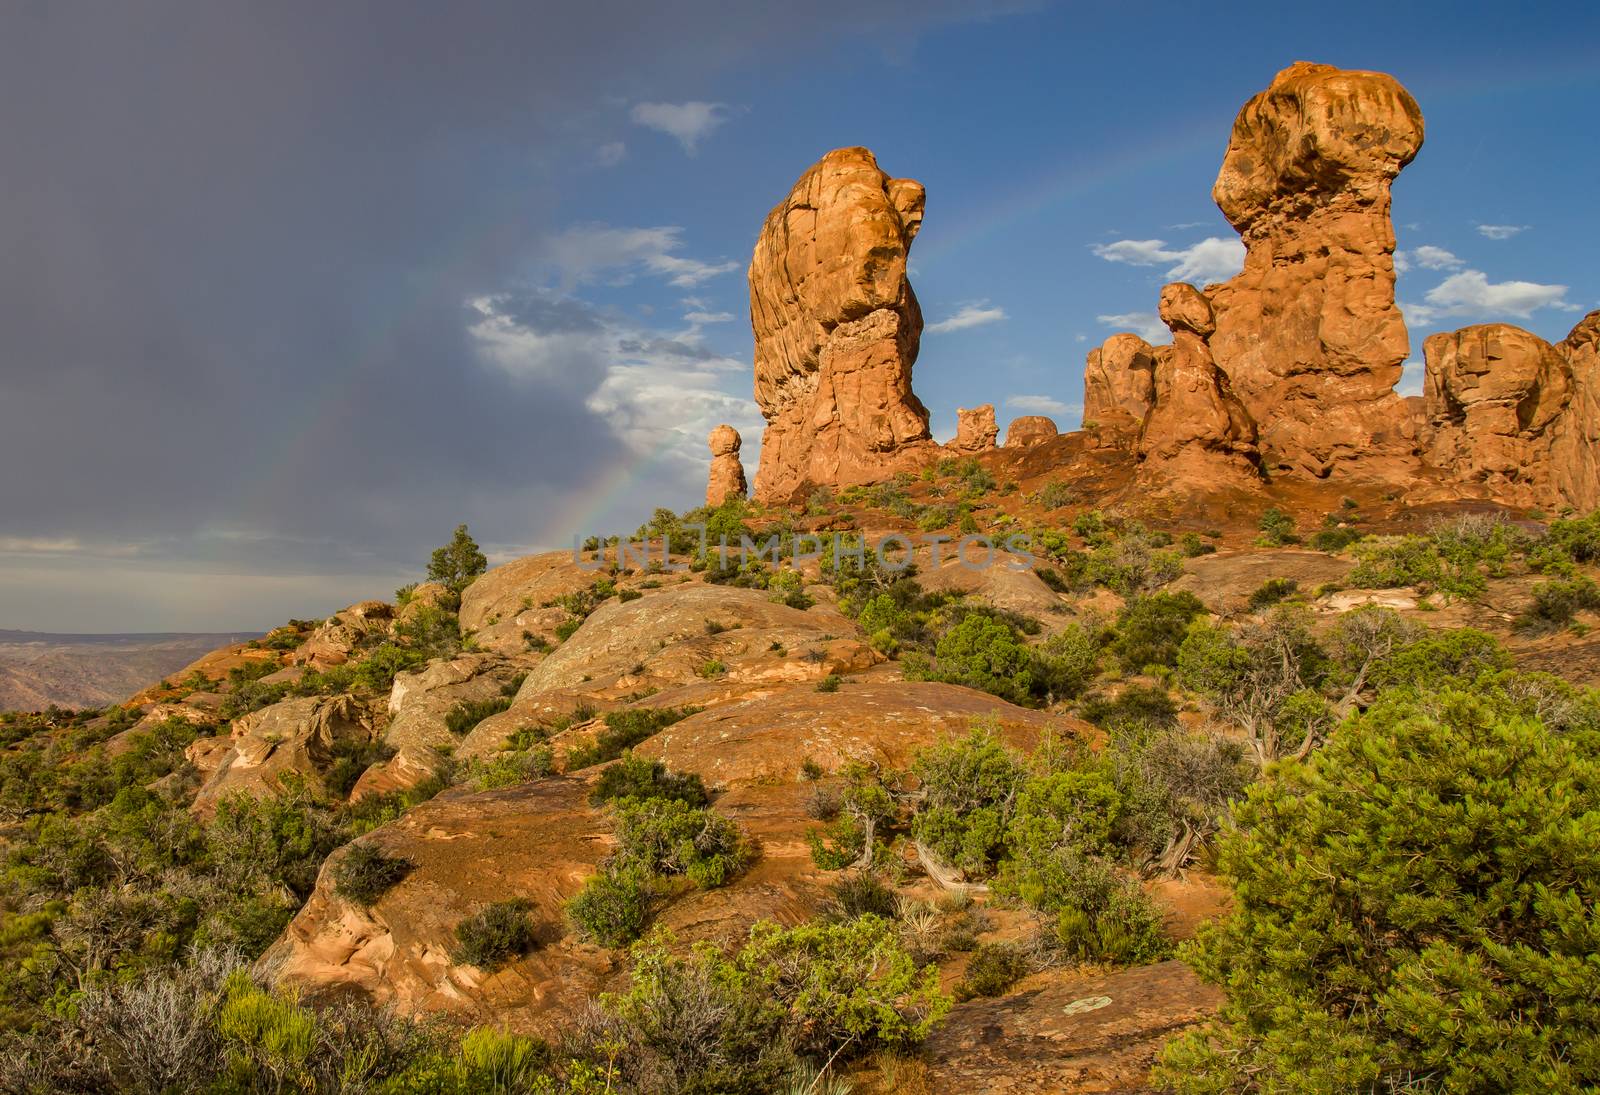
[[1150, 629], [1191, 546], [666, 836], [1277, 529], [1095, 913], [624, 730], [1415, 900], [1132, 565], [511, 767], [992, 969], [1390, 562], [1066, 662], [1437, 658], [458, 562], [375, 672], [1566, 542], [1137, 703], [969, 786], [643, 777], [849, 984], [366, 872], [1271, 592], [830, 683], [1557, 602], [495, 934], [859, 893], [1333, 537], [699, 1023], [1055, 494], [863, 804], [985, 653], [613, 906], [464, 716], [1073, 808]]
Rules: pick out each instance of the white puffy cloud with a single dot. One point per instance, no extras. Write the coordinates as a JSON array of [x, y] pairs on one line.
[[1212, 259], [1042, 404], [708, 317], [661, 391], [1147, 325], [584, 252], [1501, 231], [1411, 377], [689, 123], [968, 315], [1471, 293], [1435, 258], [1402, 262]]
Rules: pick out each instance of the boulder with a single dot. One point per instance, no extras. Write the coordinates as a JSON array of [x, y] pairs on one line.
[[343, 634], [1308, 333], [295, 738], [427, 596], [1118, 384], [419, 703], [975, 430], [837, 329], [1505, 410], [882, 723], [1492, 394], [727, 473], [502, 604], [1029, 430], [696, 632]]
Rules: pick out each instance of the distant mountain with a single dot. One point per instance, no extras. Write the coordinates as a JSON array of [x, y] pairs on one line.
[[38, 668]]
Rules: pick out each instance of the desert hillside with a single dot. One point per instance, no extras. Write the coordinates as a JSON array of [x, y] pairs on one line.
[[39, 670], [1245, 740]]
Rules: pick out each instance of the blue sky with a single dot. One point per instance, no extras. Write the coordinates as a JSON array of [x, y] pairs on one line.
[[303, 294]]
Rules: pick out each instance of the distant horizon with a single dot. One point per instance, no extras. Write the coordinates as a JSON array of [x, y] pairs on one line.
[[289, 297]]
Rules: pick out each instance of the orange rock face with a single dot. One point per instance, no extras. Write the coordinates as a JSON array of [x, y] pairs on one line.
[[1119, 383], [727, 472], [1575, 437], [1507, 410], [1030, 429], [1196, 431], [837, 329], [975, 429], [1308, 333]]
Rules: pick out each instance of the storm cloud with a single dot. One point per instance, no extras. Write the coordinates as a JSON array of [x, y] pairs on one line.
[[237, 249]]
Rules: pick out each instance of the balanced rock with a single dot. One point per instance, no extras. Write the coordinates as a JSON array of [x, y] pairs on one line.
[[975, 429], [1308, 333], [727, 472], [837, 329], [1119, 383], [1507, 410], [1196, 430], [1030, 429]]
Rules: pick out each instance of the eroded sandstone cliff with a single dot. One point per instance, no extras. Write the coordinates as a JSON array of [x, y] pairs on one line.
[[837, 328]]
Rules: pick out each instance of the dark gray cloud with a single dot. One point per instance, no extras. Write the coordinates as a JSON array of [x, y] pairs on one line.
[[235, 245]]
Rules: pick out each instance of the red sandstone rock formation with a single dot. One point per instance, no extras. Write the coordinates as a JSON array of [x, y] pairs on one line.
[[1308, 333], [1030, 429], [727, 473], [1196, 431], [975, 429], [837, 328], [1118, 384], [1507, 410]]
